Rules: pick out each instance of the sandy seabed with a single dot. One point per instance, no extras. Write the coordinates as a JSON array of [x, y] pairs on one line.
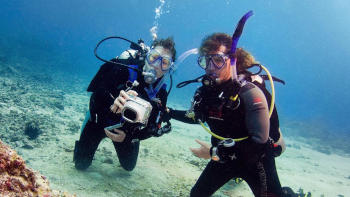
[[167, 168], [165, 165]]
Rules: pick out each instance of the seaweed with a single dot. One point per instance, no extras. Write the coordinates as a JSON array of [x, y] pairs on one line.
[[32, 130]]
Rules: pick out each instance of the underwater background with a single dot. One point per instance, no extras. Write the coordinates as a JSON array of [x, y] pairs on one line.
[[47, 62]]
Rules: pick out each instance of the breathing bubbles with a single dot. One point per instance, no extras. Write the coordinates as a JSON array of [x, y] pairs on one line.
[[158, 12], [154, 31]]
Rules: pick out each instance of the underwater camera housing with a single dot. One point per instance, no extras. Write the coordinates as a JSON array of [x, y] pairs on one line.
[[136, 110]]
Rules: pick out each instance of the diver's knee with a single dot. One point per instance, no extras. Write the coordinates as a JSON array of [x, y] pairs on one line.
[[128, 163], [128, 160], [128, 167], [193, 194], [196, 193], [81, 160], [81, 164]]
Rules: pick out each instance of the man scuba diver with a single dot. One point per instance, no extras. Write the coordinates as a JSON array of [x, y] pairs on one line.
[[127, 102], [237, 114]]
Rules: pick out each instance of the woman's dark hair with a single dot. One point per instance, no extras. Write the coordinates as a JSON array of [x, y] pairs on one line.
[[167, 43]]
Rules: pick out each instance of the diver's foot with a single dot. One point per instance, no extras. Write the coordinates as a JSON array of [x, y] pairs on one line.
[[82, 164], [288, 192]]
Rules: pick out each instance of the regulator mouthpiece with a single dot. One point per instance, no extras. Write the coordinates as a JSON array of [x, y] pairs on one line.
[[150, 76]]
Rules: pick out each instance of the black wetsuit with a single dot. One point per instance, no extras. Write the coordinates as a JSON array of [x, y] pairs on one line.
[[105, 86], [253, 158]]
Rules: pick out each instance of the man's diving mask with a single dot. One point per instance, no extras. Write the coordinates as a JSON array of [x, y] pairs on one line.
[[218, 60], [154, 58]]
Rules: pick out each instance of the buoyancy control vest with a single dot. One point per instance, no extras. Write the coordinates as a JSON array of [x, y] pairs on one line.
[[217, 113]]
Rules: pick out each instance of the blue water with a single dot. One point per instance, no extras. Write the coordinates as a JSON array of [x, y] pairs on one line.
[[306, 43]]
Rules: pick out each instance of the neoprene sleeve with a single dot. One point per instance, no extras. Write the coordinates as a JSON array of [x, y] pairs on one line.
[[256, 113]]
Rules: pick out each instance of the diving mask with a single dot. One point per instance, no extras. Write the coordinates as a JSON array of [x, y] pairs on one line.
[[158, 63], [218, 60], [154, 58]]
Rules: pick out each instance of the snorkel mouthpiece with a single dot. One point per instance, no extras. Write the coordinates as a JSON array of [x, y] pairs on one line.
[[235, 37]]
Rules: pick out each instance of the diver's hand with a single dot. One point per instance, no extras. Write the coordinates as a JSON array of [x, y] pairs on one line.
[[159, 132], [203, 151], [119, 136], [166, 114], [120, 101]]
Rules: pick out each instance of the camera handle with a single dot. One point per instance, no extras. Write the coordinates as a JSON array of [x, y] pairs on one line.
[[129, 87], [116, 126]]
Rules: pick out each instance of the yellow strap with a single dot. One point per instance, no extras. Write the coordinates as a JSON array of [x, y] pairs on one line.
[[219, 137]]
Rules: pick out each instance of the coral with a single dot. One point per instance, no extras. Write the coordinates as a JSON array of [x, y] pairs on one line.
[[18, 180]]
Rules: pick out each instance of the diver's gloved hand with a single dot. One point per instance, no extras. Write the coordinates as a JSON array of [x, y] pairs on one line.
[[224, 151], [277, 150], [166, 115]]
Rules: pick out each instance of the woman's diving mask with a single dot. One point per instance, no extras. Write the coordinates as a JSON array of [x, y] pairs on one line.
[[158, 62]]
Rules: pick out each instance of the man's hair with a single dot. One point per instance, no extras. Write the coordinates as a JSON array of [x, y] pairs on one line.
[[167, 43], [214, 41]]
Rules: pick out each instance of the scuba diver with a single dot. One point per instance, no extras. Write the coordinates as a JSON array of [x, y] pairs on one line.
[[128, 101], [237, 113]]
